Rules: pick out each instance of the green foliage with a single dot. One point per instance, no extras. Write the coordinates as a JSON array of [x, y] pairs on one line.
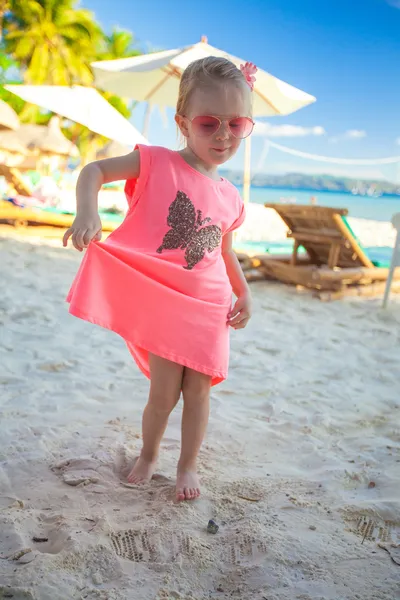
[[53, 42]]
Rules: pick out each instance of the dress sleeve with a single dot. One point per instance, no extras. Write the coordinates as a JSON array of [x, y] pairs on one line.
[[134, 187], [239, 220]]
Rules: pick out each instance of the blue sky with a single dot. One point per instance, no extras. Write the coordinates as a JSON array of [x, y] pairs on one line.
[[344, 52]]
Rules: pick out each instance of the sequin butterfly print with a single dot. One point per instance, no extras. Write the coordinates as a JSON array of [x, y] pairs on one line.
[[187, 231]]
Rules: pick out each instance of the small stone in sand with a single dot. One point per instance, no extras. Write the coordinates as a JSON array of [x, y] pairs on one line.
[[371, 485], [27, 558], [212, 527], [312, 527]]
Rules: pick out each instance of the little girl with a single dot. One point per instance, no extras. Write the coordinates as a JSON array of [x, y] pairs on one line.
[[163, 280]]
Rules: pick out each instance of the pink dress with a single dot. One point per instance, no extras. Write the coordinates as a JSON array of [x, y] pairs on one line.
[[159, 280]]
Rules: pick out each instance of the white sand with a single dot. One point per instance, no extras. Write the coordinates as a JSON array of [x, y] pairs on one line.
[[308, 418]]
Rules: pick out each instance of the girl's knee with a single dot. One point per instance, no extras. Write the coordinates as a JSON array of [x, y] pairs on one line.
[[163, 402], [166, 383], [195, 387]]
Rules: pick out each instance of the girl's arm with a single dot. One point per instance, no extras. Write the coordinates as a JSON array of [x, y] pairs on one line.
[[87, 225], [241, 312]]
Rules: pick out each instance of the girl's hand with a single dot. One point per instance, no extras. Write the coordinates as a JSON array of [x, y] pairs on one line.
[[85, 229], [241, 313]]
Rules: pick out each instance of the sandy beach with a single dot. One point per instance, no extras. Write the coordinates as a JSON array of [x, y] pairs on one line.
[[300, 468]]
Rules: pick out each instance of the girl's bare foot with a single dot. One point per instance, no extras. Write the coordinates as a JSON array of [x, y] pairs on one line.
[[187, 485], [142, 472]]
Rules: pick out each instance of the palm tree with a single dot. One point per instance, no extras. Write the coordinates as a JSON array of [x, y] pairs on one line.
[[9, 74], [4, 7], [119, 44], [54, 43], [52, 40]]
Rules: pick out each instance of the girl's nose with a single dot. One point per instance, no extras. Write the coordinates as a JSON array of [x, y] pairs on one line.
[[223, 132]]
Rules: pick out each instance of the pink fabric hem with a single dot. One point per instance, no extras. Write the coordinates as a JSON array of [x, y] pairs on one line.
[[217, 376]]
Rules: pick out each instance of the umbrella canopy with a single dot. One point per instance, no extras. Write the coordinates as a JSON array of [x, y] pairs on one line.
[[155, 78], [8, 117], [82, 105], [41, 139], [113, 149]]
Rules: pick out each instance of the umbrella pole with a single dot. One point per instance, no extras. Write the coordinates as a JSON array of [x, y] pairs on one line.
[[247, 170], [146, 120]]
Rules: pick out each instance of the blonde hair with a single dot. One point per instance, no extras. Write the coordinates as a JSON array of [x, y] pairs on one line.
[[204, 72]]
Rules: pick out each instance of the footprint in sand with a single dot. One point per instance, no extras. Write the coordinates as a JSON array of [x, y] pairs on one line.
[[153, 546], [375, 529]]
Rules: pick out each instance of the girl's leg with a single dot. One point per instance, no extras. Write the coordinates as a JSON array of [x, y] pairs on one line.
[[165, 390], [196, 406]]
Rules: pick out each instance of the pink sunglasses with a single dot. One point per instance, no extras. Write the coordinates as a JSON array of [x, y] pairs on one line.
[[205, 126]]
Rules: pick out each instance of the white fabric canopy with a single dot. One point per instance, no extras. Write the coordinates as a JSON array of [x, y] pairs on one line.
[[82, 105], [155, 78]]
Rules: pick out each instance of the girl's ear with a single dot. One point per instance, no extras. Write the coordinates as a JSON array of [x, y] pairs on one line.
[[182, 123]]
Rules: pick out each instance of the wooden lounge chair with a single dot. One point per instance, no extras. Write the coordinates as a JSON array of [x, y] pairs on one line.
[[337, 263], [36, 215], [13, 176]]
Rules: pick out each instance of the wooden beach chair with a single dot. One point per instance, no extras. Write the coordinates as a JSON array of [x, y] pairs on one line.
[[336, 265], [13, 176]]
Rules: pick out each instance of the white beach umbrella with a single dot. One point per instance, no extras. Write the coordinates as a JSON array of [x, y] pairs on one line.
[[8, 117], [83, 105], [154, 78]]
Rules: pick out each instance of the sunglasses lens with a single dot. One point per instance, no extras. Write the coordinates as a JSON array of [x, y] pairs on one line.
[[205, 126], [241, 127]]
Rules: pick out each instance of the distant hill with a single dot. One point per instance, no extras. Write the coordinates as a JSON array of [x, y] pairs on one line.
[[321, 183]]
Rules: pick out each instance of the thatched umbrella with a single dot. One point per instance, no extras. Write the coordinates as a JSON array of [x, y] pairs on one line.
[[8, 117], [11, 143], [112, 149], [36, 147], [48, 139], [38, 139], [12, 150]]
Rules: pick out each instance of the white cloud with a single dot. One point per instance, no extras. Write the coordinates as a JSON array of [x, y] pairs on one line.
[[267, 130], [355, 133], [398, 141], [350, 134]]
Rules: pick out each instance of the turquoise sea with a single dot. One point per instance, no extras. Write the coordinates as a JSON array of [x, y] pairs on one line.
[[366, 207]]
